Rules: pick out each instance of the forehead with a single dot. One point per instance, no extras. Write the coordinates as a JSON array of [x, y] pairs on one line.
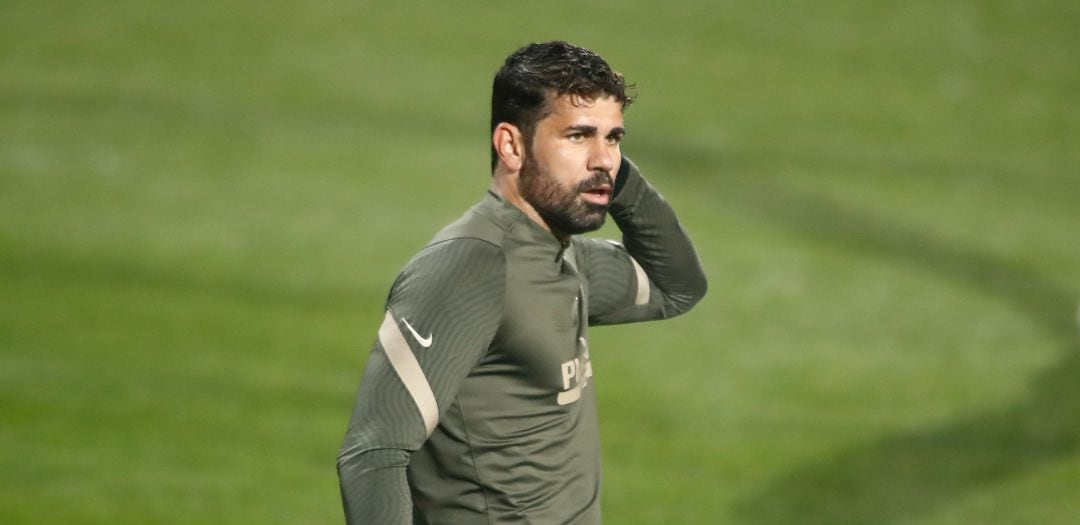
[[574, 110]]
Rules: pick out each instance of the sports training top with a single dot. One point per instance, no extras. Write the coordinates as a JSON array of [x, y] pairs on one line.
[[475, 405]]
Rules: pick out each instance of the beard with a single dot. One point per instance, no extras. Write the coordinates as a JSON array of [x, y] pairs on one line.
[[562, 208]]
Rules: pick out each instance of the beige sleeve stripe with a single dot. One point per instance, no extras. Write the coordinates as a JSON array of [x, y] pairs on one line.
[[642, 284], [408, 369]]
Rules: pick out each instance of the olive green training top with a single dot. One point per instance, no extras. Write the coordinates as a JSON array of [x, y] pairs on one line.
[[476, 405]]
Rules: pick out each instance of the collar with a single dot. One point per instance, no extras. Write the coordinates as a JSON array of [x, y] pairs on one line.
[[522, 228]]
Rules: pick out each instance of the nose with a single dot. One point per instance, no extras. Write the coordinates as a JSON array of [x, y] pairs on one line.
[[601, 157]]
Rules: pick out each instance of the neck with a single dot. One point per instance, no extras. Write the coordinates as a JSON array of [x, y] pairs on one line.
[[505, 184]]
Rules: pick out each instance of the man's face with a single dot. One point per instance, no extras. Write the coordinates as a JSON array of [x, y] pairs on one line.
[[571, 162]]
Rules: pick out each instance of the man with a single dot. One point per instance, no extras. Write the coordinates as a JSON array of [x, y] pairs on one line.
[[476, 404]]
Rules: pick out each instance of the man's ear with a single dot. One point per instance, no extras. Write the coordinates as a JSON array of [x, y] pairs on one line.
[[509, 144]]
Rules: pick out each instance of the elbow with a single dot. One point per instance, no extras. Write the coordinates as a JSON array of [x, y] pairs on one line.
[[355, 457], [345, 458], [697, 287], [693, 288], [698, 293], [356, 461], [700, 287], [689, 296]]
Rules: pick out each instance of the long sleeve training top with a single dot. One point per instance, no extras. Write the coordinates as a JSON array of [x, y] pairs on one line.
[[476, 404]]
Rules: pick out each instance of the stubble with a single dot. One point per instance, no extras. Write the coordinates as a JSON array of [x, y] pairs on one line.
[[561, 208]]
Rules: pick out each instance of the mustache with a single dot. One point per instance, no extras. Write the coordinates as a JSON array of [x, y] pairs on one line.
[[599, 178]]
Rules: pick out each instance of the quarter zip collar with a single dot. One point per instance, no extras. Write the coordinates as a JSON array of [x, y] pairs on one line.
[[511, 218]]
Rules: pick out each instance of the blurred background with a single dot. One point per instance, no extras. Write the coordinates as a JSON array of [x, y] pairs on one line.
[[202, 208]]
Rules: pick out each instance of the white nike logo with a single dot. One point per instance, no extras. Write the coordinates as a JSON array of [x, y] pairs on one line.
[[423, 342]]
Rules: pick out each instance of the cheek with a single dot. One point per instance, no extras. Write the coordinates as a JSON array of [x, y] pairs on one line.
[[571, 159], [566, 164], [562, 161]]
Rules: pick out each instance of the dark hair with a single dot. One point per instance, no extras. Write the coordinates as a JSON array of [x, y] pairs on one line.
[[536, 73]]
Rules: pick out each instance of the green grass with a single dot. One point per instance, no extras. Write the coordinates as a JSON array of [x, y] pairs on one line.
[[201, 209]]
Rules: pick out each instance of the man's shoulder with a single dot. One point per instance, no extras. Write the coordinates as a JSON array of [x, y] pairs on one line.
[[468, 250], [453, 266], [443, 256], [475, 240], [451, 277], [482, 222]]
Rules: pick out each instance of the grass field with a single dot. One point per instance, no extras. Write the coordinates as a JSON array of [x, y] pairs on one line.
[[202, 208]]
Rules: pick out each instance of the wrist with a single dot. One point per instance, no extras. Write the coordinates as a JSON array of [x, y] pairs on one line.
[[621, 176]]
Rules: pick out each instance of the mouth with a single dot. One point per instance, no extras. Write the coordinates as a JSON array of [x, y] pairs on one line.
[[599, 195]]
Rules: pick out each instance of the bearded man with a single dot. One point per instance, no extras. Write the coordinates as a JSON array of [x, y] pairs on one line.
[[476, 404]]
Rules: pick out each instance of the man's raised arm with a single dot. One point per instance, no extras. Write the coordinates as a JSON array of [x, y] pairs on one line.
[[655, 272]]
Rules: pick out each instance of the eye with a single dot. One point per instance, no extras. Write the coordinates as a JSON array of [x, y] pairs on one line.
[[576, 137], [614, 139]]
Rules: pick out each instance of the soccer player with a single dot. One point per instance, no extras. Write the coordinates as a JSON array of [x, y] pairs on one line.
[[476, 405]]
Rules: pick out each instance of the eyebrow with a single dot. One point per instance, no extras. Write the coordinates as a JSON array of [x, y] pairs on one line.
[[591, 130]]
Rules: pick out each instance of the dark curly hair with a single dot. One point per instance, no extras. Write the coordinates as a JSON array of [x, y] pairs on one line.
[[537, 73]]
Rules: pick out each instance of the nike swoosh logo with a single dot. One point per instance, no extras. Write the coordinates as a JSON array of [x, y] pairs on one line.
[[424, 342]]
